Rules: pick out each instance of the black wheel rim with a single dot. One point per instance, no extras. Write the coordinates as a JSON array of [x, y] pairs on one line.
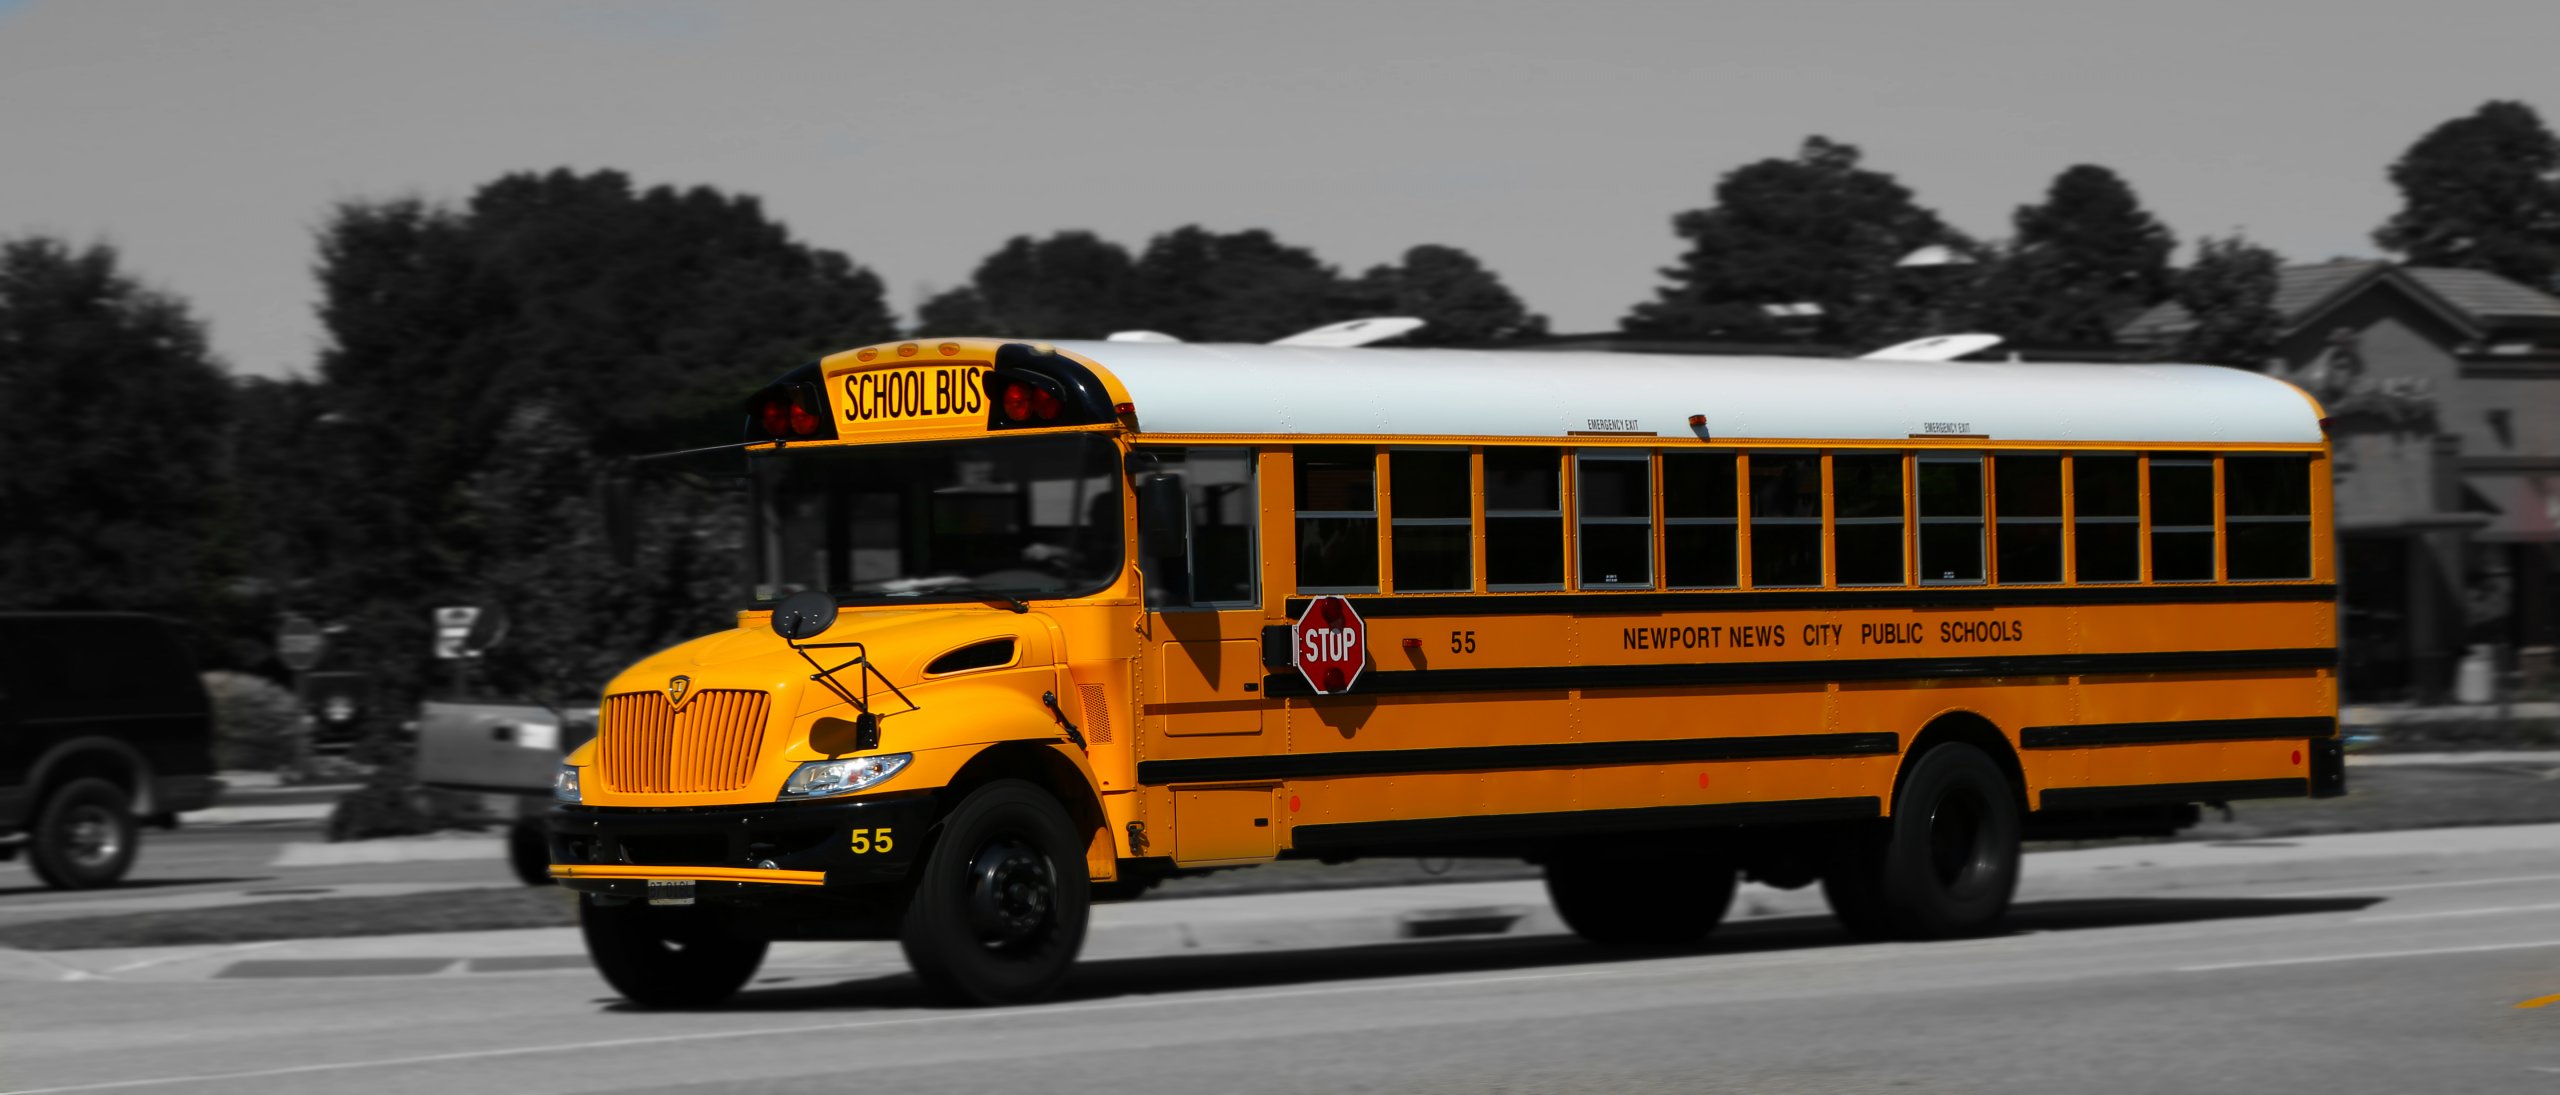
[[91, 837], [1960, 840], [1013, 895]]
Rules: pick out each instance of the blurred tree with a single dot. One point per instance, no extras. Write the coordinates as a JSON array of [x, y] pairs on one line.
[[1244, 286], [2230, 289], [1462, 301], [637, 320], [113, 465], [1815, 228], [2482, 192], [2083, 261], [1070, 285]]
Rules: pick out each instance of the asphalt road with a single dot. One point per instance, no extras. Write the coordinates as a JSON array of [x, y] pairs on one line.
[[2405, 980]]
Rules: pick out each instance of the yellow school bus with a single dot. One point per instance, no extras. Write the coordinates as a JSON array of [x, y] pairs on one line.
[[1039, 624]]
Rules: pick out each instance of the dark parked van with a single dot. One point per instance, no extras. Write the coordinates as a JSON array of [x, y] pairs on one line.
[[103, 724]]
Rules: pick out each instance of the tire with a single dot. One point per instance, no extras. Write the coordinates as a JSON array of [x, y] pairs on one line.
[[1000, 904], [668, 956], [1664, 898], [85, 836], [529, 851], [1944, 865]]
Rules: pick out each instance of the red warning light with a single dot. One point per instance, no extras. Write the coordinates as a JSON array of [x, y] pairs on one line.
[[1017, 401], [1045, 404], [775, 416]]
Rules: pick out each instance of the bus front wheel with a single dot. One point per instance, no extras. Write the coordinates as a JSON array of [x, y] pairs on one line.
[[672, 956], [999, 907], [1945, 864], [1658, 898]]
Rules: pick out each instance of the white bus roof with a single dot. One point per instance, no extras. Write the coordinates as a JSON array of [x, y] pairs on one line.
[[1208, 388]]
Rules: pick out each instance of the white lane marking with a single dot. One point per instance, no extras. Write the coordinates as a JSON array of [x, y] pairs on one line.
[[2361, 890], [2450, 914], [191, 955], [824, 1028], [2486, 947]]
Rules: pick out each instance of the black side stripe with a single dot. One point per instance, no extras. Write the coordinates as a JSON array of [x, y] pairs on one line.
[[1582, 822], [2169, 733], [1561, 677], [1598, 604], [1483, 758], [2173, 794]]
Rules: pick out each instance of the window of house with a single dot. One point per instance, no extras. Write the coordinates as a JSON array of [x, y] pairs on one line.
[[1699, 526], [1866, 509], [2267, 510], [1218, 492], [1523, 518], [1613, 504], [1950, 497], [1337, 519], [2028, 492], [2181, 520], [1786, 519], [1430, 536], [2106, 503]]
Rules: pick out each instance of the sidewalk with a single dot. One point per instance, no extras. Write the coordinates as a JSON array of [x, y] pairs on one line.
[[1317, 919]]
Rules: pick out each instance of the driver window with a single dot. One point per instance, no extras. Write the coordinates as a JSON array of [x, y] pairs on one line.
[[1217, 488]]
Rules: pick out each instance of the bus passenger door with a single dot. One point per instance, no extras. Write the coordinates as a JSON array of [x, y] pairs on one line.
[[1196, 511]]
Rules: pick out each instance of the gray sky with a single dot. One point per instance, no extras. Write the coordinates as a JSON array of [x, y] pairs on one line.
[[207, 140]]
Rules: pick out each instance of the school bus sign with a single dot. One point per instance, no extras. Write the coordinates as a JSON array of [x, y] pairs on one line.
[[1330, 645]]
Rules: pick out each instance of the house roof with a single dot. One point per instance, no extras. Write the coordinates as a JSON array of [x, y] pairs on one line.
[[2476, 300]]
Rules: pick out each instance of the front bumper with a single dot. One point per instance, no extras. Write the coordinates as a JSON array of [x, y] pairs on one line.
[[833, 844]]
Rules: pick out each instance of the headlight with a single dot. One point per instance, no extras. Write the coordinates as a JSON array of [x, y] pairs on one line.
[[820, 778], [564, 785]]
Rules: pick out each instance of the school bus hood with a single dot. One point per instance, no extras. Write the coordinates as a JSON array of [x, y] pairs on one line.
[[899, 642]]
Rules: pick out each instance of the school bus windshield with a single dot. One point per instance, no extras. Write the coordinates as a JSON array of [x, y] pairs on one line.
[[940, 521]]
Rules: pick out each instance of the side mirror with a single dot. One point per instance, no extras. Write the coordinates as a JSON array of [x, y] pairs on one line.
[[804, 615], [1161, 510]]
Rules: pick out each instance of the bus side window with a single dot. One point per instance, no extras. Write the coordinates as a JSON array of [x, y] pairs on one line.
[[1786, 519], [2029, 500], [2106, 503], [1866, 509], [1698, 521], [2267, 506], [1950, 496], [1430, 537], [1337, 519], [1219, 507], [2182, 548], [1613, 501], [1523, 518]]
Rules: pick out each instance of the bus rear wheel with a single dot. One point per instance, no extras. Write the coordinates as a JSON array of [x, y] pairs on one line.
[[1643, 897], [668, 956], [1000, 904], [1944, 865]]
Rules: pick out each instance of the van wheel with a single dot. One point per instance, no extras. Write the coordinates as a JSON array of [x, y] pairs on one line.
[[999, 907], [1945, 864], [1658, 899], [668, 956], [84, 836], [529, 851]]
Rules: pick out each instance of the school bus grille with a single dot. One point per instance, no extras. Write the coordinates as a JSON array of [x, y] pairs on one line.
[[711, 745]]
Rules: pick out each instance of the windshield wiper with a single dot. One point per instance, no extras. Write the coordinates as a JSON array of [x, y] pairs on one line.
[[1018, 605]]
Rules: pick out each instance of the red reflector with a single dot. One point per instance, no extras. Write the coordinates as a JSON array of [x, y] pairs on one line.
[[1697, 420], [1044, 404], [802, 422], [775, 416], [1017, 401], [1124, 408], [1411, 643]]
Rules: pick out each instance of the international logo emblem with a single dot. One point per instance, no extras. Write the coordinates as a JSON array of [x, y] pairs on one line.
[[677, 689]]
